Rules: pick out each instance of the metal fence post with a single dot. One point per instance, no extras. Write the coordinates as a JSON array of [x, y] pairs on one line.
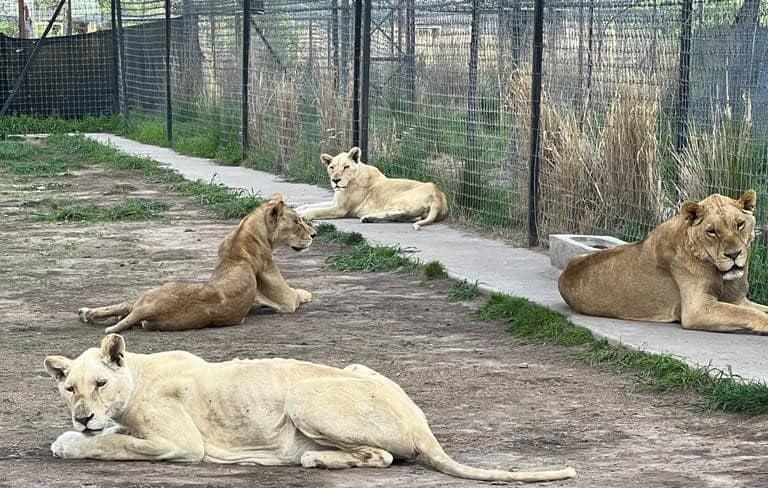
[[410, 52], [365, 66], [121, 60], [356, 74], [534, 164], [246, 70], [469, 178], [115, 59], [168, 104], [683, 87]]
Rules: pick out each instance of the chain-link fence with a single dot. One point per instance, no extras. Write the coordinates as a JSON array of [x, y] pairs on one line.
[[642, 103]]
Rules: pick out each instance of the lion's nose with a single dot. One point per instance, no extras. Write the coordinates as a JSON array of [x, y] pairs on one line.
[[336, 180], [83, 420], [733, 254], [312, 232]]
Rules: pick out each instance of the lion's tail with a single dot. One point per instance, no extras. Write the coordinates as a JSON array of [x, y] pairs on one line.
[[438, 209], [432, 453]]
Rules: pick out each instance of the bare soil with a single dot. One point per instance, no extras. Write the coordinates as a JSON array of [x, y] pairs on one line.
[[491, 401]]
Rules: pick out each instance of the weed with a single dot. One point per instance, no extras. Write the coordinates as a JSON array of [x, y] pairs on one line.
[[225, 203], [329, 233], [434, 270], [364, 257], [72, 210], [463, 291], [121, 189]]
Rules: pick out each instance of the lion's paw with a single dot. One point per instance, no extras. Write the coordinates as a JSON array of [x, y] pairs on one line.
[[67, 445], [84, 314], [304, 295], [416, 227]]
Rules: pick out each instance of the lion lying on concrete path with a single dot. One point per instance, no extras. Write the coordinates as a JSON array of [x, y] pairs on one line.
[[362, 191], [692, 268], [174, 406], [246, 274]]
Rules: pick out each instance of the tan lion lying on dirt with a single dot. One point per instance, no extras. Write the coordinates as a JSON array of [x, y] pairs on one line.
[[175, 406], [246, 274], [692, 268], [363, 191]]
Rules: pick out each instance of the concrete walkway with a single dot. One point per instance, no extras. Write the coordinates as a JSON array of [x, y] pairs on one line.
[[495, 265]]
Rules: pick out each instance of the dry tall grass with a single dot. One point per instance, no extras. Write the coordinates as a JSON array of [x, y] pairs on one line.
[[333, 106], [592, 176], [718, 153], [287, 122]]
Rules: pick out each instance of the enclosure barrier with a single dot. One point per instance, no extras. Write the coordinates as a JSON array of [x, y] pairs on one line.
[[535, 116]]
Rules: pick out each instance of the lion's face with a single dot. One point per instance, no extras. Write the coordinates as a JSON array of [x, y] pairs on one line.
[[721, 230], [288, 228], [96, 386], [342, 168]]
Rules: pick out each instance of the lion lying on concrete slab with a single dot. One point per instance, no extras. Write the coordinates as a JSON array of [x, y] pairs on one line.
[[692, 269], [362, 191], [246, 274], [174, 406]]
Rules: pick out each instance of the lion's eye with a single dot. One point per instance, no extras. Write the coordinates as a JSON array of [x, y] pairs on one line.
[[101, 383], [740, 225], [70, 389], [346, 166], [711, 232]]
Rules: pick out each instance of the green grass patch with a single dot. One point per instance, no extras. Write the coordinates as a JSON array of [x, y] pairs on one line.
[[434, 270], [329, 233], [73, 210], [720, 390], [222, 202], [463, 291], [26, 124]]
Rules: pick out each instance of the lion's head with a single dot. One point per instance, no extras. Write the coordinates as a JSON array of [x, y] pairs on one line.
[[286, 227], [721, 230], [342, 168], [96, 386]]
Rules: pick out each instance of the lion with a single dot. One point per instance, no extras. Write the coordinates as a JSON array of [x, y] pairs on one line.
[[362, 191], [690, 269], [246, 274], [174, 406]]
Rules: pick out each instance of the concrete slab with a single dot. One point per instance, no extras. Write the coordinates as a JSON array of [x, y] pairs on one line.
[[494, 265]]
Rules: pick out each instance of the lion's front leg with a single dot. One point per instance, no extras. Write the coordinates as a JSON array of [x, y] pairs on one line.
[[753, 305], [120, 447], [330, 211], [715, 316], [273, 288]]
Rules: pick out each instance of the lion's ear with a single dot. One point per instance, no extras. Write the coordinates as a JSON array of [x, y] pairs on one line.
[[113, 349], [326, 159], [748, 200], [277, 197], [57, 367], [354, 154], [692, 211], [276, 211]]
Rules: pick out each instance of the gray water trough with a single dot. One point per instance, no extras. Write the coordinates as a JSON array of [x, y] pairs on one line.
[[564, 247]]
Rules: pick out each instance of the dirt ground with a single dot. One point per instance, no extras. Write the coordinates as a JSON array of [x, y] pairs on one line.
[[491, 401]]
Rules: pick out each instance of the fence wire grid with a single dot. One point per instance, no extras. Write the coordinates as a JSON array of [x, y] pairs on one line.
[[644, 103]]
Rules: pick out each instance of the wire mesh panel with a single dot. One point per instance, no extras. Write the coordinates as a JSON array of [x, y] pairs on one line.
[[206, 81], [300, 94], [73, 72], [446, 101], [608, 109], [144, 70]]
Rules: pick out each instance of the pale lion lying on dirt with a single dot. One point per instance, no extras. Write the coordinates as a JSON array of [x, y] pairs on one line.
[[692, 268], [246, 274], [175, 406], [362, 191]]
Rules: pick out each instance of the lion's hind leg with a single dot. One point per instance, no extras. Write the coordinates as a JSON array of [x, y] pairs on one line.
[[390, 215], [361, 457], [91, 315], [360, 419]]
